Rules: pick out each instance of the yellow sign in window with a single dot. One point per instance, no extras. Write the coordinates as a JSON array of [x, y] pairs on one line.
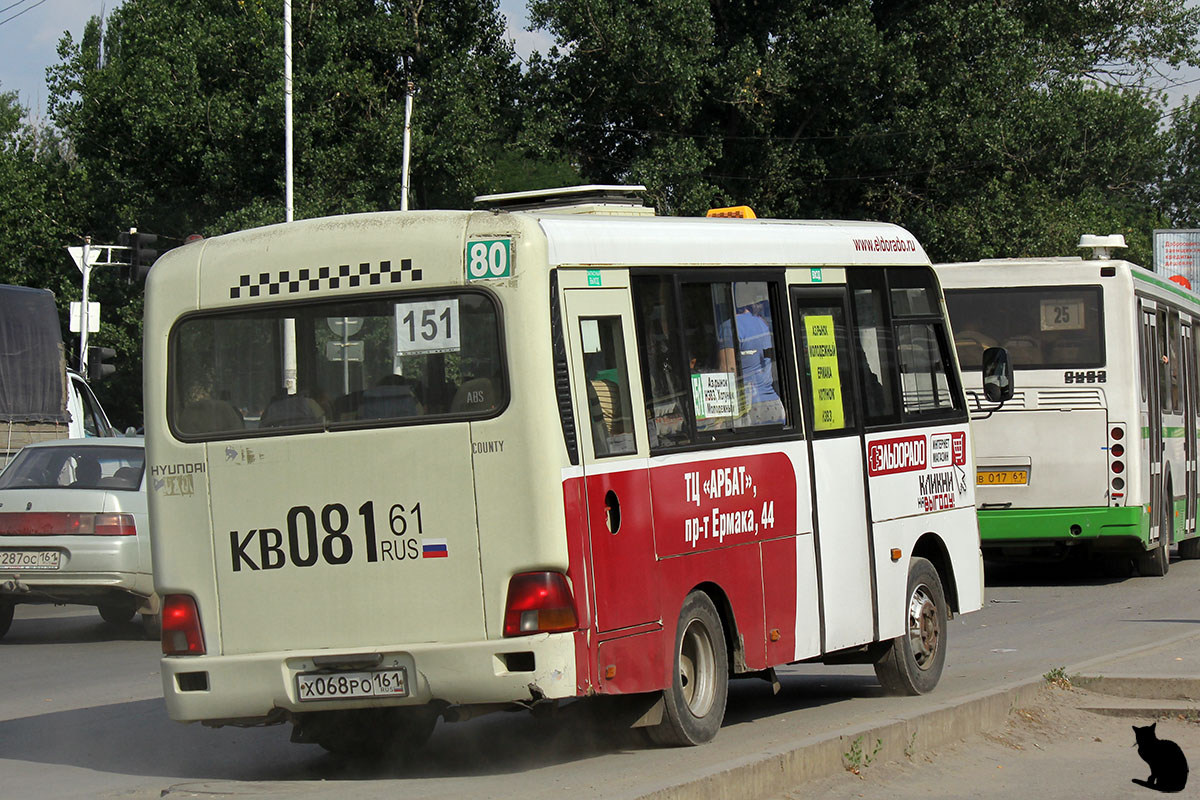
[[828, 411]]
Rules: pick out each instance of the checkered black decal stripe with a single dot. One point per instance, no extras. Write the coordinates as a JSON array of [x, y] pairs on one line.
[[314, 279]]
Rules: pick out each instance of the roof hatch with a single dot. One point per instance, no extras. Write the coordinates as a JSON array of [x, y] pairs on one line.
[[590, 199]]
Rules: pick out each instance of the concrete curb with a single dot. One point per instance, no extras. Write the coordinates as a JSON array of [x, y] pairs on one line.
[[1150, 687], [773, 773]]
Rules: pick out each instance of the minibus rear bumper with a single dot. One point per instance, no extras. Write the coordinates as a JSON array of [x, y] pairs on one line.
[[260, 688]]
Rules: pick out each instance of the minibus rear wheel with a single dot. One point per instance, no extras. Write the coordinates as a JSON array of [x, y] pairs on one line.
[[912, 663], [694, 703], [6, 616]]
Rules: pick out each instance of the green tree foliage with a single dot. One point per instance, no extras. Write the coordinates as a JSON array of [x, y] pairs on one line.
[[38, 204], [988, 128], [175, 115], [1181, 188], [179, 121], [40, 207]]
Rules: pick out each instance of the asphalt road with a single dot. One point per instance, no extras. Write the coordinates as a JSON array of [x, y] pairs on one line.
[[81, 713]]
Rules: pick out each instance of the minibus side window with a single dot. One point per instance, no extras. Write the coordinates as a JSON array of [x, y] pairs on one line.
[[607, 385], [924, 383], [825, 364], [710, 360], [730, 343], [873, 338], [665, 382], [903, 346], [922, 344]]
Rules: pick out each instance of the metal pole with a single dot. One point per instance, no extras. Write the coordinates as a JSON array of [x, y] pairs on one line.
[[84, 317], [345, 355], [287, 107], [408, 107], [289, 325]]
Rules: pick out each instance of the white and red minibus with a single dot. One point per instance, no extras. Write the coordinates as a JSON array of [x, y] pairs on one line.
[[416, 465]]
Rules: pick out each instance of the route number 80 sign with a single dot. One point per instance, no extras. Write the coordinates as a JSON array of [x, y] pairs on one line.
[[489, 258]]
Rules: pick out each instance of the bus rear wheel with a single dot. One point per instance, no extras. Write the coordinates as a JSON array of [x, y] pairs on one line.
[[1190, 548], [1155, 563], [912, 663], [694, 703]]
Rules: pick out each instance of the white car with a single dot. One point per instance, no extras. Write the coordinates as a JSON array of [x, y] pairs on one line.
[[74, 530]]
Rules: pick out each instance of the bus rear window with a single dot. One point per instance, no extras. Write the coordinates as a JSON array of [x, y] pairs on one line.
[[278, 369], [1043, 327]]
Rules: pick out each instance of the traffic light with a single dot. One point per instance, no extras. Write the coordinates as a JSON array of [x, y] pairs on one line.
[[143, 250], [97, 369]]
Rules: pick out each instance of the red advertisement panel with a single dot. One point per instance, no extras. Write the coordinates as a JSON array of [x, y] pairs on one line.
[[902, 454], [724, 502]]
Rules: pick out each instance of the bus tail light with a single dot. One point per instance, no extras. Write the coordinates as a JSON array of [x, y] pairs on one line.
[[538, 602], [1116, 466], [181, 631]]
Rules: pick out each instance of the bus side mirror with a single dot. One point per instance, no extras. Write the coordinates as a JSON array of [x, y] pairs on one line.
[[997, 375]]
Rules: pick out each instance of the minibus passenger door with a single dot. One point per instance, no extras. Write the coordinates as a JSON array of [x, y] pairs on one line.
[[614, 453], [832, 416]]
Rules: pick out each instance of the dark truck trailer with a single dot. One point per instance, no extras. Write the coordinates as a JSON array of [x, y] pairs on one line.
[[39, 399]]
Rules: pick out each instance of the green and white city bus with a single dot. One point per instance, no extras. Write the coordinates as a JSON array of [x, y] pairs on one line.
[[1096, 451]]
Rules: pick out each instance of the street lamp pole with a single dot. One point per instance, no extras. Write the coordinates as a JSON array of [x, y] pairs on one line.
[[84, 317]]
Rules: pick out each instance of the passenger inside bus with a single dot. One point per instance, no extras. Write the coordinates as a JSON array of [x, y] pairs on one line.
[[754, 354], [393, 396], [286, 410]]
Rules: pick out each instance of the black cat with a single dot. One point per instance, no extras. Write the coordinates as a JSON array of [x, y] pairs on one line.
[[1168, 767]]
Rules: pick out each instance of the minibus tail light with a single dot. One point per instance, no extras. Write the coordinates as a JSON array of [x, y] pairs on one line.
[[539, 602], [181, 631]]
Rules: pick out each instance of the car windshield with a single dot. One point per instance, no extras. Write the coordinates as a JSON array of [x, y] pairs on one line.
[[80, 467]]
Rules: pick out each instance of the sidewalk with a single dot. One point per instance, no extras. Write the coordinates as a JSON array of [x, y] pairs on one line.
[[1132, 687]]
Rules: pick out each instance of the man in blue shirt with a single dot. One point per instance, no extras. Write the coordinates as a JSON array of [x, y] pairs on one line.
[[756, 349]]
